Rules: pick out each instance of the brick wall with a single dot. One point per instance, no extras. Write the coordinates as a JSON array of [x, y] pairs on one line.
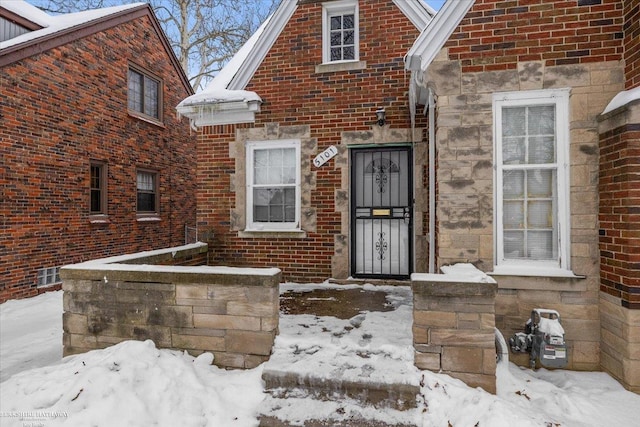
[[619, 184], [329, 103], [67, 106], [496, 34], [632, 43]]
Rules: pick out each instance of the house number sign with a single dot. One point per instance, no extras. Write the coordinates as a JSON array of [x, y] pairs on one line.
[[325, 156]]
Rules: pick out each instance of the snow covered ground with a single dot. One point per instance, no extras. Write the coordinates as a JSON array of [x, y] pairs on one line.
[[136, 384]]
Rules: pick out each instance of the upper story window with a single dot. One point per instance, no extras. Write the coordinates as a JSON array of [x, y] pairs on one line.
[[340, 38], [532, 180], [273, 185], [147, 190], [145, 93], [98, 191]]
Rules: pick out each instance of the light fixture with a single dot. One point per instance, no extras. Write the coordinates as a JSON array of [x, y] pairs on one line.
[[381, 116]]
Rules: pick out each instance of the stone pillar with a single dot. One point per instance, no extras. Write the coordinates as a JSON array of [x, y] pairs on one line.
[[453, 327]]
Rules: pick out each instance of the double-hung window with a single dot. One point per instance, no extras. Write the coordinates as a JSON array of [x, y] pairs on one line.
[[147, 191], [144, 94], [532, 181], [98, 188], [273, 185], [340, 31]]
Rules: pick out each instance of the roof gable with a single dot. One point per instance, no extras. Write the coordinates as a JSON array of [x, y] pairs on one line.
[[60, 30], [228, 86]]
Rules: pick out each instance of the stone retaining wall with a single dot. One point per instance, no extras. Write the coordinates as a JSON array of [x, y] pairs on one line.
[[453, 328], [230, 312]]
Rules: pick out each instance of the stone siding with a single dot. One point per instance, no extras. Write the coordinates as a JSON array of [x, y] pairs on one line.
[[465, 198], [230, 312], [454, 328]]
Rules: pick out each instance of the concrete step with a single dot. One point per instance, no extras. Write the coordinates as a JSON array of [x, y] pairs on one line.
[[380, 395], [295, 399]]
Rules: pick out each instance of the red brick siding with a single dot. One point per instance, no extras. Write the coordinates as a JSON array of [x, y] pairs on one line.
[[620, 214], [59, 110], [497, 34], [330, 103], [632, 43]]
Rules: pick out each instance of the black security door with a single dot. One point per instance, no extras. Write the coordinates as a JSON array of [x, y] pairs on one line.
[[381, 212]]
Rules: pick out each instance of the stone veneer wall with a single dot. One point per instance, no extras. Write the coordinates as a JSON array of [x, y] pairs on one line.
[[454, 328], [465, 200], [230, 312], [619, 234]]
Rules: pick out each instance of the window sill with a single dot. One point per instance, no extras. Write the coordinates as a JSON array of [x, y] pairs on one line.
[[274, 234], [99, 219], [145, 118], [538, 278], [148, 219], [332, 67]]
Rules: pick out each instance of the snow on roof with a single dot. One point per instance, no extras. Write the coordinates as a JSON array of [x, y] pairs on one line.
[[55, 23], [28, 12], [623, 98]]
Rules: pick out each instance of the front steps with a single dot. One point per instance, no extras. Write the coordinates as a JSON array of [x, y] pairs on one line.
[[312, 401], [357, 370]]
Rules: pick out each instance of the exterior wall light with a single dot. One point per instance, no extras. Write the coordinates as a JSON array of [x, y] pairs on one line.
[[381, 116]]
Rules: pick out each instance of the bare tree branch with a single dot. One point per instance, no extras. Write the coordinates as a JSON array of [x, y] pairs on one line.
[[204, 34]]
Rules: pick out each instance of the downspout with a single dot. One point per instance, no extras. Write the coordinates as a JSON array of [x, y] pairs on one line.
[[432, 181]]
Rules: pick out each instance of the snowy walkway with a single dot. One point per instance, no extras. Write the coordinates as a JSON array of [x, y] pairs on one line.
[[134, 383]]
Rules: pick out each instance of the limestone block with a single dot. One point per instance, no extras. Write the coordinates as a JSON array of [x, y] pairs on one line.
[[489, 361], [498, 81], [196, 342], [581, 330], [438, 319], [213, 321], [227, 293], [229, 360], [631, 372], [583, 352], [462, 359], [428, 361], [566, 76], [269, 324], [199, 332], [74, 323], [212, 307], [531, 74], [82, 341], [462, 338], [420, 335], [191, 291], [266, 309], [259, 343]]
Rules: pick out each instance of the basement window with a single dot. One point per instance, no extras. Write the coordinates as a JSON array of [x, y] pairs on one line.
[[48, 277]]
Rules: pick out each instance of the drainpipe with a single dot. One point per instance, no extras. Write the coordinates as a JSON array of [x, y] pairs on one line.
[[432, 181]]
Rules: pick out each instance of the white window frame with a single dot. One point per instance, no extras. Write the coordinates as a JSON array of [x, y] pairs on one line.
[[333, 9], [523, 267], [251, 147]]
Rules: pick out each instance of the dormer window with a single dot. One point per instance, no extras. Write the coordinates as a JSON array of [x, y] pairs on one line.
[[340, 37]]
